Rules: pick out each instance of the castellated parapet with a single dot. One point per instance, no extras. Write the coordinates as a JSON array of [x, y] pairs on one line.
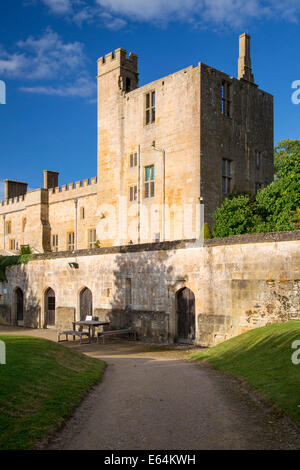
[[44, 216], [195, 135], [116, 59], [80, 188]]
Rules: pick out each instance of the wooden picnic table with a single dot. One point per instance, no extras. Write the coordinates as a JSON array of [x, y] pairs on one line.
[[92, 324]]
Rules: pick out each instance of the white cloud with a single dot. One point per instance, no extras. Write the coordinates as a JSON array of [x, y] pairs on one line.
[[232, 13], [49, 58], [116, 14], [151, 10], [59, 7], [83, 87], [43, 58], [112, 22]]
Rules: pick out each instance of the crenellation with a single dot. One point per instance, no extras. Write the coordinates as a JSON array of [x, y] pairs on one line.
[[77, 187], [182, 113], [162, 148], [118, 58], [13, 200]]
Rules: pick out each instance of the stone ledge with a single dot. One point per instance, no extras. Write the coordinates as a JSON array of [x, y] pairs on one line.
[[175, 245], [255, 238]]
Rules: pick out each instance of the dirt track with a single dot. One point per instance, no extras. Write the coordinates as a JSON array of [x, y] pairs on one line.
[[155, 401], [151, 398]]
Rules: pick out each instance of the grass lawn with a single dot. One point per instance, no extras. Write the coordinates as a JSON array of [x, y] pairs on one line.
[[262, 357], [40, 385]]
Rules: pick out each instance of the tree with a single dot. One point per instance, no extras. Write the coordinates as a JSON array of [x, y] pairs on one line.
[[235, 216], [296, 218], [275, 208], [276, 202], [284, 149]]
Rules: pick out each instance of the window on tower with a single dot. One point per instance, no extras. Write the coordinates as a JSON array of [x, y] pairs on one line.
[[133, 160], [226, 99], [70, 241], [150, 108], [226, 176], [149, 181], [54, 242]]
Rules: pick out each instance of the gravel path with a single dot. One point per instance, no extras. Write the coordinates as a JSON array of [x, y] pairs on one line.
[[155, 401], [151, 398]]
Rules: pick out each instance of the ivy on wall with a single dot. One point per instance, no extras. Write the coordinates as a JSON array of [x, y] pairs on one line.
[[6, 261]]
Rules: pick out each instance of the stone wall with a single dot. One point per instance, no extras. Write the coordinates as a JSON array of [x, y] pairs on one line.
[[249, 128], [237, 286], [184, 145]]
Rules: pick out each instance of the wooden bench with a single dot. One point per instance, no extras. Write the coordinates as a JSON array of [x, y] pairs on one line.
[[125, 331], [73, 333]]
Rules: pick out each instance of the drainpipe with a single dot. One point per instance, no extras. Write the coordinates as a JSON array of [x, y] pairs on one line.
[[139, 194], [164, 195], [75, 241], [164, 190], [4, 232]]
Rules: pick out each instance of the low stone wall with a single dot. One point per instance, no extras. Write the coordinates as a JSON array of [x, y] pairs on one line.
[[237, 286], [65, 316], [148, 325]]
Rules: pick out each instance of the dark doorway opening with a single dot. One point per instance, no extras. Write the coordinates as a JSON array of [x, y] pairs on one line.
[[50, 307], [185, 316], [86, 303], [19, 299]]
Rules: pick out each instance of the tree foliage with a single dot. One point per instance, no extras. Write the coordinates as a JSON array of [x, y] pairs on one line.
[[7, 261], [235, 216], [283, 151], [275, 208]]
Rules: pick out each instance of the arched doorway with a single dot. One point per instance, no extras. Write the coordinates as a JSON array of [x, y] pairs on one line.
[[50, 307], [19, 302], [185, 316], [86, 303]]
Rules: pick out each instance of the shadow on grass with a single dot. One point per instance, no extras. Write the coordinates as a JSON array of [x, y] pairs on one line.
[[41, 383]]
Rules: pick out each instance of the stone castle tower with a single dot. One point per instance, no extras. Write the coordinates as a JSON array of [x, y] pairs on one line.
[[195, 136]]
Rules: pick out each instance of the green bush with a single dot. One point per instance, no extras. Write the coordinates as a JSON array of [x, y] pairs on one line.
[[235, 216], [25, 250], [274, 208], [206, 231], [276, 202]]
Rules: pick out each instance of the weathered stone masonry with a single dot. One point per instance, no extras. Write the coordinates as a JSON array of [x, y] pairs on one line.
[[209, 135], [239, 283]]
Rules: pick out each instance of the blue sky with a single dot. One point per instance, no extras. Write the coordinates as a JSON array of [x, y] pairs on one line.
[[48, 54]]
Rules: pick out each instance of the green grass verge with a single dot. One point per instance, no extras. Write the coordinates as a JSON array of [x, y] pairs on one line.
[[262, 357], [40, 385]]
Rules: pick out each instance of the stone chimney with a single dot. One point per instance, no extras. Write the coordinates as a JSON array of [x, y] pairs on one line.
[[14, 188], [245, 69], [50, 179]]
